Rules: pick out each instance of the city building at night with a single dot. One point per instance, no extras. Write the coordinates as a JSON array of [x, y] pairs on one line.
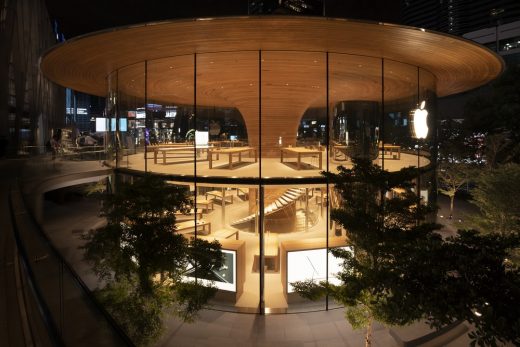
[[247, 112], [458, 17], [30, 106]]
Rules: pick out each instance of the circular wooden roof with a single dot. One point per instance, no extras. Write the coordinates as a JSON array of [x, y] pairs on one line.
[[83, 63]]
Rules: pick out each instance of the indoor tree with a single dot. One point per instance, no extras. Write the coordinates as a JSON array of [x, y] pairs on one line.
[[140, 259]]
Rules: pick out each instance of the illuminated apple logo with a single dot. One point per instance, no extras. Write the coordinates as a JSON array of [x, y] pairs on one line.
[[420, 126]]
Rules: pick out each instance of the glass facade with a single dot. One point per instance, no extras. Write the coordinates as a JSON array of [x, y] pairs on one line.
[[249, 133]]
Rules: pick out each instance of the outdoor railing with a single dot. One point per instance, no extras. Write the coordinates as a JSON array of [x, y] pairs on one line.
[[70, 311]]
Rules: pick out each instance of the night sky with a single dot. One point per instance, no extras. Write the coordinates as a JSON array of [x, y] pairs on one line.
[[83, 16]]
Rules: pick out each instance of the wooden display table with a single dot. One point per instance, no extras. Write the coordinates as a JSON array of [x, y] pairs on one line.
[[230, 152], [218, 194], [190, 214], [228, 143], [301, 152], [188, 227], [178, 150], [393, 151], [205, 204]]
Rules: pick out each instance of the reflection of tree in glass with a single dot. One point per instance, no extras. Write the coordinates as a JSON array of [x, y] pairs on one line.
[[222, 274], [314, 271], [140, 257]]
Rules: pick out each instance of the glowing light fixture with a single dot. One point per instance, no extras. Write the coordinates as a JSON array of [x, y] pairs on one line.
[[420, 125]]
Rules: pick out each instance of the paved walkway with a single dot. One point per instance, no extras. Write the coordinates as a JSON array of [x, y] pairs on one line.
[[11, 322]]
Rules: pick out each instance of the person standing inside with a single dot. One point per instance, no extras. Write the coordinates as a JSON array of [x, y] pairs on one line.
[[56, 143]]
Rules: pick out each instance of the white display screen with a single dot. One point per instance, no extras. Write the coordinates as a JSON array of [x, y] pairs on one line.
[[311, 264], [201, 138], [123, 124], [101, 124], [171, 112], [223, 278], [140, 113]]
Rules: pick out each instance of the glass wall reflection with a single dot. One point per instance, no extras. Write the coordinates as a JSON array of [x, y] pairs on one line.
[[248, 134], [108, 125], [170, 114], [293, 109], [400, 99], [355, 94], [131, 110], [227, 114]]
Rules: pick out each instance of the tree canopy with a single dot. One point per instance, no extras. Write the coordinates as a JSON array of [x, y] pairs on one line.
[[141, 260], [400, 270]]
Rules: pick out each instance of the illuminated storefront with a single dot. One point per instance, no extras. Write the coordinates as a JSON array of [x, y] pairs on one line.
[[248, 111]]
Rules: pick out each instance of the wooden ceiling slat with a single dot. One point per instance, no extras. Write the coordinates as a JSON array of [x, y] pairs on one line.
[[83, 63]]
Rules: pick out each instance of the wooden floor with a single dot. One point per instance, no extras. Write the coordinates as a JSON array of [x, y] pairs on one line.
[[271, 167]]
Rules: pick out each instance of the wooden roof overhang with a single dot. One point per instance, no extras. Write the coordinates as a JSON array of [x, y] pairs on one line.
[[293, 70], [83, 63]]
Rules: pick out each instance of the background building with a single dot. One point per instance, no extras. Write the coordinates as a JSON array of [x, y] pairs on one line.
[[82, 110], [459, 16], [30, 105], [303, 7]]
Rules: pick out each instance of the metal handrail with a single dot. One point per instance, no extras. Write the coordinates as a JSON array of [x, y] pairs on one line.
[[45, 313], [84, 288]]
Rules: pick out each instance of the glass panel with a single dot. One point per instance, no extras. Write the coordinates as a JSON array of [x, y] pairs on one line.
[[107, 125], [428, 147], [355, 98], [233, 214], [293, 113], [427, 87], [131, 110], [170, 99], [296, 224], [398, 147], [227, 114]]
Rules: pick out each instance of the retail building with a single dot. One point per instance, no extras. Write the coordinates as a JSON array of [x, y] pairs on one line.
[[248, 111]]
